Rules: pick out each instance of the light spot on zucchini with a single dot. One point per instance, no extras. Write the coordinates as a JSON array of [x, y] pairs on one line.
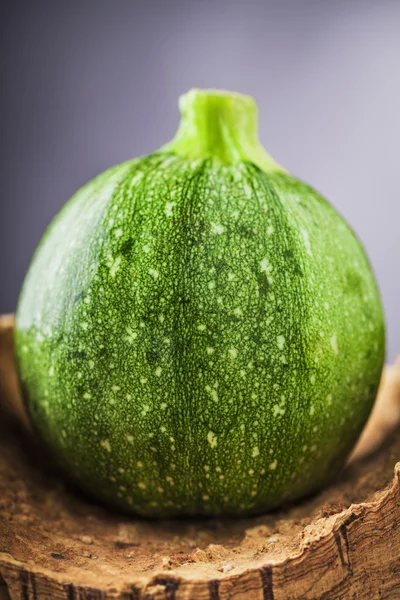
[[106, 445], [334, 344], [115, 266], [280, 341], [169, 208], [217, 229], [212, 439]]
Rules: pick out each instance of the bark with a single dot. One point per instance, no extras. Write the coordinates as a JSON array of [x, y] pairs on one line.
[[57, 544]]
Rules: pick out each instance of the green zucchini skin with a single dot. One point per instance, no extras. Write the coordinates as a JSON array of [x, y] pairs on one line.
[[195, 338]]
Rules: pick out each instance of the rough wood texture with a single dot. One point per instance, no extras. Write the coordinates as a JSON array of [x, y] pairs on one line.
[[57, 544]]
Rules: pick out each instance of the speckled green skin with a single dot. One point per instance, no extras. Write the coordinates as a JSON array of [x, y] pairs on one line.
[[194, 338]]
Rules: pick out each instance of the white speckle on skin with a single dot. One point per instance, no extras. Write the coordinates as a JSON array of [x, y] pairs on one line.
[[280, 341], [115, 388], [306, 241], [170, 480], [270, 230], [231, 276], [146, 249], [169, 208], [87, 396], [278, 410], [201, 327], [143, 380], [106, 445], [233, 352], [266, 266], [163, 405], [145, 410], [326, 304], [158, 371], [205, 497], [214, 395], [312, 409], [154, 273], [273, 465], [329, 398], [206, 468], [84, 326], [210, 350], [139, 464], [312, 379], [247, 190], [211, 285], [160, 490], [115, 266], [51, 371], [142, 485], [129, 438], [161, 318], [334, 344], [91, 364], [238, 311], [217, 229], [118, 233], [212, 439], [255, 452], [251, 472]]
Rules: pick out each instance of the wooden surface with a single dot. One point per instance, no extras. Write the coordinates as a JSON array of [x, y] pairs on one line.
[[57, 544]]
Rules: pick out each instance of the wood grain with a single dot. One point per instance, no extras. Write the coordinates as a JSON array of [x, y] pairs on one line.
[[56, 543]]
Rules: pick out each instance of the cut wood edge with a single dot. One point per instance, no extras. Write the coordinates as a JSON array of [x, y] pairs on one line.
[[356, 551]]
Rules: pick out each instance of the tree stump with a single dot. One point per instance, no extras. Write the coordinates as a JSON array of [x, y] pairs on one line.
[[57, 544]]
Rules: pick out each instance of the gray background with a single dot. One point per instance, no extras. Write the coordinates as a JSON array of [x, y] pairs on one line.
[[85, 84]]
